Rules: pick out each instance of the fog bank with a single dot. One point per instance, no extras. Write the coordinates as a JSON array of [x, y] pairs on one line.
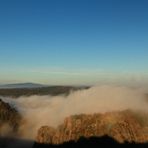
[[48, 110]]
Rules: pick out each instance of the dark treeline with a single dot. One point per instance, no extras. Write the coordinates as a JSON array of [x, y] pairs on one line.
[[53, 90]]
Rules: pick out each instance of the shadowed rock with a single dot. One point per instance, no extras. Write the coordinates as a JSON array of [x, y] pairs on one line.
[[9, 119], [92, 142]]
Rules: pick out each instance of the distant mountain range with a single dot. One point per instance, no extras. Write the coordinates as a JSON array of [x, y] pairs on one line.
[[22, 85]]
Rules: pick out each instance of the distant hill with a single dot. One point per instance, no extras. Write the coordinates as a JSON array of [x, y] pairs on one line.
[[22, 85]]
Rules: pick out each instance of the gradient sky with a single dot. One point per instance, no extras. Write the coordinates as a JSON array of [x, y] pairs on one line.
[[74, 41]]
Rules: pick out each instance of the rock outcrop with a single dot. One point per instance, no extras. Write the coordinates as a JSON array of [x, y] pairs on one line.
[[121, 126], [9, 119]]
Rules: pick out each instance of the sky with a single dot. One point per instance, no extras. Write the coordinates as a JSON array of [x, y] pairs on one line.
[[64, 42]]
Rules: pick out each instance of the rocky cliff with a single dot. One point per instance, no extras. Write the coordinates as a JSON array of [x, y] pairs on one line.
[[9, 119], [121, 126]]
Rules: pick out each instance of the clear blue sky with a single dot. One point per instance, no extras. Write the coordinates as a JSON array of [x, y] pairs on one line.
[[73, 41]]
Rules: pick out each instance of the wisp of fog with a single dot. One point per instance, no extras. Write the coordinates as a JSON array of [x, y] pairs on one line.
[[38, 111]]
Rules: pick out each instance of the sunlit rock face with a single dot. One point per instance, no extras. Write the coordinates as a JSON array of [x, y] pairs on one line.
[[122, 126], [9, 119]]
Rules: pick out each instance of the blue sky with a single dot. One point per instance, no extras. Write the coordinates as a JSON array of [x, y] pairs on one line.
[[73, 41]]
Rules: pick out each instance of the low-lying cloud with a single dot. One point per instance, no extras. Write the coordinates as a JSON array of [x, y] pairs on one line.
[[48, 110]]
